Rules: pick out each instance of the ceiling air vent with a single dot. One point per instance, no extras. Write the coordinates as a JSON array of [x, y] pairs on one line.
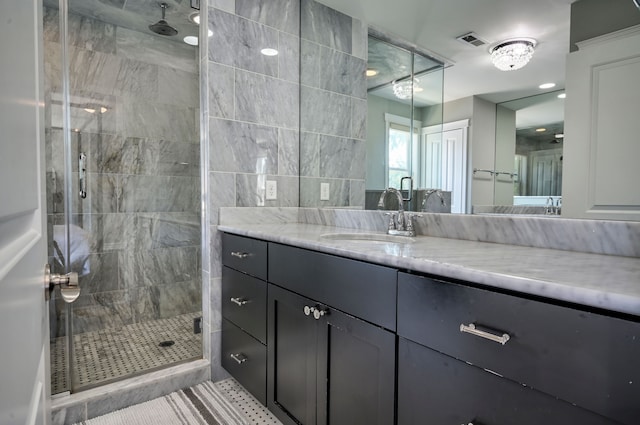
[[472, 39]]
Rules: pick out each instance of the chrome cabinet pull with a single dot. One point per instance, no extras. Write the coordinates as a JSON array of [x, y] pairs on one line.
[[238, 254], [239, 301], [317, 313], [239, 358], [308, 310], [471, 329]]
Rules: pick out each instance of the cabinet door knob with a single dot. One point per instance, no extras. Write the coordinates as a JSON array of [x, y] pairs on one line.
[[239, 301], [471, 329], [317, 313], [308, 310], [238, 254], [239, 358]]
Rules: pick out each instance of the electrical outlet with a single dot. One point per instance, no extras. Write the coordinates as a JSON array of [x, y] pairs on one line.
[[324, 191], [272, 190]]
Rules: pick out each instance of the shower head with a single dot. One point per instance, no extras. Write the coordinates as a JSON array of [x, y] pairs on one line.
[[162, 27]]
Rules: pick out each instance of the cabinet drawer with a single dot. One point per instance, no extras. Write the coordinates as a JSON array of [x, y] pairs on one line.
[[244, 302], [245, 358], [437, 389], [583, 358], [364, 290], [245, 254]]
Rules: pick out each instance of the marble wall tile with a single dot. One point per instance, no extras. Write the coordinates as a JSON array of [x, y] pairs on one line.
[[343, 73], [84, 32], [217, 372], [223, 191], [82, 117], [69, 415], [325, 26], [216, 253], [93, 312], [309, 155], [359, 119], [325, 112], [155, 50], [289, 57], [96, 272], [251, 191], [310, 192], [140, 118], [221, 89], [359, 37], [156, 267], [226, 5], [266, 215], [165, 301], [215, 303], [288, 152], [167, 230], [101, 194], [342, 158], [178, 87], [158, 194], [356, 193], [310, 68], [243, 147], [281, 14], [264, 100], [237, 42]]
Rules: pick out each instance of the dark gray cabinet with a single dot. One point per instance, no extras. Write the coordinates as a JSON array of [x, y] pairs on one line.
[[244, 315], [327, 367]]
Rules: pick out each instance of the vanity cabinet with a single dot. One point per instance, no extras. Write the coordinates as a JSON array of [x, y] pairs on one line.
[[583, 358], [326, 366], [244, 304]]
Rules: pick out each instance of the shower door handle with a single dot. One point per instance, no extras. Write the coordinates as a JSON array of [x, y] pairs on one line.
[[82, 174], [68, 283]]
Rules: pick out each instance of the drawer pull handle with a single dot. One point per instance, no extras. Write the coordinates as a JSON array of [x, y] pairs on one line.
[[239, 301], [471, 329], [239, 358], [239, 254]]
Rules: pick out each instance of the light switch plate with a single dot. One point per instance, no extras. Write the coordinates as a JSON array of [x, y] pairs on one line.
[[272, 190], [324, 191]]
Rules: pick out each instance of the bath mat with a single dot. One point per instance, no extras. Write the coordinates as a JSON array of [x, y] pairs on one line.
[[204, 404]]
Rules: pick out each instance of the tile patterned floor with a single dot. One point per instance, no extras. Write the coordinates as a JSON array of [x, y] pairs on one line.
[[110, 354], [246, 404]]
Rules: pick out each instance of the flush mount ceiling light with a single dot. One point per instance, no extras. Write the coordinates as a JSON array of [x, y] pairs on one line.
[[371, 72], [540, 130], [562, 96], [191, 40], [547, 85], [512, 54], [269, 51], [195, 18], [404, 89]]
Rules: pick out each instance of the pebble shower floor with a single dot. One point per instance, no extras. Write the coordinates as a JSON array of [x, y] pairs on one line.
[[109, 354]]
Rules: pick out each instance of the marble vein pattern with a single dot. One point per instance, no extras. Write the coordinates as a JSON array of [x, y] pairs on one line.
[[267, 215], [288, 152], [601, 281], [281, 14], [289, 57], [342, 73], [325, 112], [221, 89], [264, 100], [342, 158], [326, 26]]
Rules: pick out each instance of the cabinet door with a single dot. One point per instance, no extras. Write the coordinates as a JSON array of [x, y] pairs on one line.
[[356, 371], [436, 389], [292, 347]]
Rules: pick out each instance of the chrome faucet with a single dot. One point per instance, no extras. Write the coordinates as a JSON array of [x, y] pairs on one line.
[[549, 206], [398, 223], [428, 194], [559, 205]]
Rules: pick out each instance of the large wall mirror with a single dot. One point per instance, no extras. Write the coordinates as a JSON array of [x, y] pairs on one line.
[[404, 97]]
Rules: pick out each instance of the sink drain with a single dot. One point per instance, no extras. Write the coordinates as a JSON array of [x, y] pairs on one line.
[[166, 343]]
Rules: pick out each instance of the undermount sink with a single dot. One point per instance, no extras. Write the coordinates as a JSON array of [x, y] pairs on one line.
[[367, 238]]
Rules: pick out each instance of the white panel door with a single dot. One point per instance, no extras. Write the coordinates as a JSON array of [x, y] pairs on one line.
[[23, 323]]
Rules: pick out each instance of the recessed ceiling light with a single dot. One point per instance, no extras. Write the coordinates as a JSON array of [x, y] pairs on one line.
[[562, 96], [191, 40], [540, 130], [417, 89], [559, 136], [209, 33], [269, 51], [195, 18], [90, 110], [547, 85], [371, 72]]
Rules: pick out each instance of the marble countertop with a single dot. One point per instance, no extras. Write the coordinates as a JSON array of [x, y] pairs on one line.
[[602, 281]]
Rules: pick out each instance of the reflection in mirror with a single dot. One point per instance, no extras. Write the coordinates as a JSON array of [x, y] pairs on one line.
[[404, 97], [529, 141]]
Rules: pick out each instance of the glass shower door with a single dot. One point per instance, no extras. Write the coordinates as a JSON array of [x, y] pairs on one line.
[[125, 124]]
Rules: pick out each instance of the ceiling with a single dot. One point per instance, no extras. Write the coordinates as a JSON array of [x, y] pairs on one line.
[[433, 25]]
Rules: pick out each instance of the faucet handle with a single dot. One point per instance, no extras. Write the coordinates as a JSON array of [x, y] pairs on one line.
[[410, 218], [392, 220]]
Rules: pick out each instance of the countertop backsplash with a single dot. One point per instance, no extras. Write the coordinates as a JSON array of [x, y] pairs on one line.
[[592, 236]]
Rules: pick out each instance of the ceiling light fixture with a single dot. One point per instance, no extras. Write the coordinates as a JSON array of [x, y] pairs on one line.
[[547, 85], [371, 72], [269, 51], [562, 96], [404, 89], [195, 18], [191, 40], [512, 54], [559, 136], [540, 130]]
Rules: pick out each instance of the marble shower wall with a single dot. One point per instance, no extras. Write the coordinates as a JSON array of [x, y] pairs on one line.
[[333, 107], [135, 239]]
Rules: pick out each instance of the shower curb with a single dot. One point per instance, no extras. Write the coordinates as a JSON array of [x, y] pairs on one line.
[[67, 410]]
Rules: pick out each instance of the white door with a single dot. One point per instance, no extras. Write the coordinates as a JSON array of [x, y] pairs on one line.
[[23, 323]]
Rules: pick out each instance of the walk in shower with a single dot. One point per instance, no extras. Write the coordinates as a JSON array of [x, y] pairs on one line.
[[123, 187]]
